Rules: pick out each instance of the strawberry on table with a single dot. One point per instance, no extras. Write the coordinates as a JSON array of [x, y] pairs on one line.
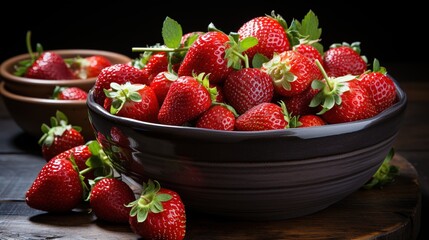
[[57, 187], [59, 137], [136, 101], [69, 93], [159, 213], [108, 199], [343, 59]]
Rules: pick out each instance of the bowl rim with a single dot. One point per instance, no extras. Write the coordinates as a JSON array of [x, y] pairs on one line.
[[303, 133], [44, 101], [13, 60]]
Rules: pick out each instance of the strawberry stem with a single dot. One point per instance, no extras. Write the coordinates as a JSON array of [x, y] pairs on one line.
[[29, 49], [159, 49], [325, 75]]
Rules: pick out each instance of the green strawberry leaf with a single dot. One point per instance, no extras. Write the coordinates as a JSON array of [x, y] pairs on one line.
[[171, 33], [385, 174], [247, 43], [310, 26], [258, 60]]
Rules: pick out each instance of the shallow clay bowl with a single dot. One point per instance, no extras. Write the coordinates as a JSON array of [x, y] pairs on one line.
[[44, 88], [30, 113], [264, 175]]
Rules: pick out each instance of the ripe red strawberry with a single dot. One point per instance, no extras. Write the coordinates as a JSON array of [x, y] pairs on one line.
[[264, 116], [57, 187], [59, 137], [342, 99], [136, 101], [312, 53], [158, 62], [340, 60], [380, 86], [247, 87], [161, 84], [88, 67], [310, 121], [108, 199], [299, 104], [292, 72], [49, 65], [207, 55], [270, 31], [218, 117], [187, 98], [158, 214], [69, 93], [118, 73]]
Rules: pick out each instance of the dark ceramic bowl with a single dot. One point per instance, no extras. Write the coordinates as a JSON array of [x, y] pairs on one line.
[[44, 88], [30, 113], [265, 175]]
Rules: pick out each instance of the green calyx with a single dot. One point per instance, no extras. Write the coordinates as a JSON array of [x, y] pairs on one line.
[[203, 79], [330, 90], [23, 65], [279, 71], [385, 174], [122, 93], [58, 125], [150, 200], [234, 53], [279, 19]]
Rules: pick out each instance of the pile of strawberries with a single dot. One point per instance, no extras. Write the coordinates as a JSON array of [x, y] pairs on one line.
[[265, 76]]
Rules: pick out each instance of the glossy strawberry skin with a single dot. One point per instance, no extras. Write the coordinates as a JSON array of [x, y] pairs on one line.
[[160, 85], [311, 120], [270, 34], [299, 104], [248, 87], [96, 63], [356, 104], [50, 66], [312, 53], [381, 88], [145, 110], [72, 93], [108, 198], [69, 139], [207, 55], [264, 116], [169, 224], [81, 154], [217, 117], [343, 60], [185, 101], [119, 73], [57, 188], [157, 63]]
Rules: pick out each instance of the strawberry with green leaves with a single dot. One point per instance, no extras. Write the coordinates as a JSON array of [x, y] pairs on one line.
[[380, 85], [88, 67], [310, 120], [291, 72], [218, 117], [343, 59], [264, 116], [299, 104], [59, 137], [69, 93], [43, 65], [108, 199], [161, 84], [187, 98], [342, 99], [118, 73], [136, 101], [159, 213], [57, 188], [270, 32]]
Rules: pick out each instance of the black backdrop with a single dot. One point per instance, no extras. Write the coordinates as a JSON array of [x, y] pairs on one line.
[[391, 33]]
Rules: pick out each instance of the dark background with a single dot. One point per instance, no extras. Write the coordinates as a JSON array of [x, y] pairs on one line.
[[392, 33]]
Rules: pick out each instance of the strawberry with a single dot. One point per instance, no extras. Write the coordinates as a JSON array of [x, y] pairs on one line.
[[264, 116], [291, 72], [59, 137], [159, 213], [207, 55], [310, 121], [108, 199], [161, 84], [187, 98], [312, 53], [343, 59], [69, 93], [88, 67], [270, 31], [158, 62], [43, 65], [380, 85], [57, 187], [299, 104], [342, 99], [136, 101], [218, 117], [247, 87], [118, 73]]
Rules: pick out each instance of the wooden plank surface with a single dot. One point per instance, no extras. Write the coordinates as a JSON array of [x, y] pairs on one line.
[[389, 213]]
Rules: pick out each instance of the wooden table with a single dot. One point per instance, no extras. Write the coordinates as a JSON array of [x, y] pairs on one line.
[[391, 213]]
